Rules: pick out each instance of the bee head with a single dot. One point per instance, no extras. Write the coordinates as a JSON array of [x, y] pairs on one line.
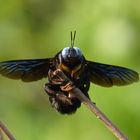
[[72, 56]]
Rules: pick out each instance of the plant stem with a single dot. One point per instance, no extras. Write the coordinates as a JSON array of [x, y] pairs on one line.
[[6, 131], [99, 114]]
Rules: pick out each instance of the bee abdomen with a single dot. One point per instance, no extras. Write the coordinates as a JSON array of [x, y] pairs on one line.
[[63, 104]]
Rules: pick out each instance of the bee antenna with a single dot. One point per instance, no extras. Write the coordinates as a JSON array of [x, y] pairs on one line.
[[72, 38]]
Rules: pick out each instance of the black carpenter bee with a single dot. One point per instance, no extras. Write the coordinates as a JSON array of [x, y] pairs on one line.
[[74, 65]]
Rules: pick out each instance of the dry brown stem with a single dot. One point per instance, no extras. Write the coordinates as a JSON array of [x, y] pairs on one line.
[[99, 114], [6, 131]]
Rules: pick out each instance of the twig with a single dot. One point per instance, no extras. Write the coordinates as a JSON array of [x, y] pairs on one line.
[[99, 114], [6, 131], [1, 136]]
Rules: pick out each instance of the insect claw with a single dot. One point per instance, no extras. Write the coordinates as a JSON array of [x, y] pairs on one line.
[[68, 87]]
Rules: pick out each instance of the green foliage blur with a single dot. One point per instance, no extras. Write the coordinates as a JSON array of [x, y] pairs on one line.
[[107, 31]]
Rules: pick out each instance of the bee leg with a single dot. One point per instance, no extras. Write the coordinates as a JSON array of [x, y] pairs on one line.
[[67, 86], [55, 79], [49, 90], [63, 104]]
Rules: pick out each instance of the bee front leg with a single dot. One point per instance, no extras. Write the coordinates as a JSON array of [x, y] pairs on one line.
[[49, 89]]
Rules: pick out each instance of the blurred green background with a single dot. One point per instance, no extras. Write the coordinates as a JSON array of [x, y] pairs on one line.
[[107, 31]]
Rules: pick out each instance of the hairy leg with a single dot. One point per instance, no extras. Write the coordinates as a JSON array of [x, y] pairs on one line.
[[61, 100]]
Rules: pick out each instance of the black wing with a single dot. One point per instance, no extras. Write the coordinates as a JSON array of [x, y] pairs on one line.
[[108, 75], [26, 70]]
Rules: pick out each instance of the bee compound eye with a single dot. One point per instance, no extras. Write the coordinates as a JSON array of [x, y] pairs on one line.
[[78, 52], [65, 52]]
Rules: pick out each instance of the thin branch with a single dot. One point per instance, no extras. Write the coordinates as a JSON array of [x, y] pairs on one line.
[[6, 131], [1, 136], [99, 114]]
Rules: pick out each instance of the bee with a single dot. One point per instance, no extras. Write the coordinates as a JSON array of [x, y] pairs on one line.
[[76, 67]]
